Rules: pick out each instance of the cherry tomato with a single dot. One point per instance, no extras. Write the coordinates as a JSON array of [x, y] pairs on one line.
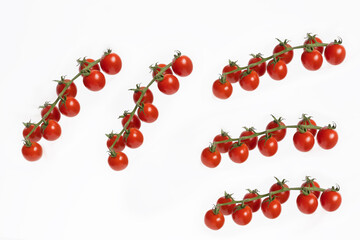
[[311, 40], [307, 203], [335, 53], [111, 63], [149, 113], [210, 158], [95, 81], [242, 216], [214, 221], [250, 81], [83, 65], [54, 114], [70, 108], [147, 98], [134, 138], [330, 200], [158, 69], [260, 68], [303, 142], [51, 131], [283, 196], [118, 162], [226, 209], [35, 136], [312, 60], [169, 85], [278, 70], [287, 56], [222, 90], [239, 154], [308, 121], [278, 134], [222, 147], [250, 142], [71, 91], [271, 209], [267, 147], [232, 77], [119, 145], [182, 66], [254, 204], [33, 152], [312, 183], [134, 122], [327, 138]]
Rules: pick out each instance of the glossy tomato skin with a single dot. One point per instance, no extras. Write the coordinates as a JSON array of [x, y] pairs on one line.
[[35, 136], [149, 113], [312, 60], [111, 63], [283, 196], [95, 67], [260, 68], [271, 209], [214, 221], [327, 138], [287, 56], [169, 85], [307, 204], [147, 98], [278, 134], [95, 81], [158, 69], [232, 77], [312, 122], [313, 184], [335, 53], [134, 122], [51, 131], [278, 70], [311, 41], [32, 153], [222, 90], [254, 204], [71, 91], [118, 162], [250, 142], [267, 147], [239, 154], [250, 81], [222, 147], [54, 114], [210, 159], [226, 209], [182, 66], [242, 216], [303, 142], [119, 145], [134, 139], [70, 108], [330, 200]]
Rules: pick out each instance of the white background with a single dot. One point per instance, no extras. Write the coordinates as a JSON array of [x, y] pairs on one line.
[[71, 193]]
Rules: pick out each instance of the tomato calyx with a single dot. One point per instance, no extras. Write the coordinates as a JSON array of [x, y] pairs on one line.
[[112, 153], [177, 54], [283, 43], [235, 145], [141, 107], [137, 89], [212, 147], [107, 52], [228, 196], [281, 183], [216, 209], [239, 207], [251, 129], [258, 55], [45, 105], [27, 142], [61, 81], [338, 41], [126, 112], [331, 126], [309, 48], [86, 70], [28, 124], [233, 64], [224, 134], [310, 181], [335, 188], [111, 135], [277, 120], [222, 79], [246, 72], [311, 37]]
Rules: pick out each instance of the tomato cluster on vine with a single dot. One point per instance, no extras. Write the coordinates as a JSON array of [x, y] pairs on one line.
[[68, 105], [145, 110], [271, 205], [276, 65], [267, 143]]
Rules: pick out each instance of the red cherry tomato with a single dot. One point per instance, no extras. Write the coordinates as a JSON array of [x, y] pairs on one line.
[[278, 134], [119, 145], [335, 53], [239, 154], [158, 69], [267, 147], [330, 200], [242, 216], [70, 108], [149, 113], [254, 204], [278, 70], [210, 158], [35, 136], [33, 152], [89, 60], [54, 114], [271, 209], [111, 63], [134, 122], [226, 209], [182, 66], [169, 85], [222, 90], [312, 60], [214, 221], [250, 142], [311, 40], [260, 68], [283, 196], [312, 183], [147, 98], [71, 91], [327, 138], [287, 56], [308, 121], [134, 138], [307, 204], [232, 77], [222, 147], [118, 162], [51, 131], [303, 142], [95, 81], [250, 81]]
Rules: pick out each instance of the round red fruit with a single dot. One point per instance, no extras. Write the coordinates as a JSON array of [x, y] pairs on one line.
[[232, 77], [282, 196], [51, 130], [134, 122], [312, 60], [307, 204], [277, 70], [222, 90], [147, 98], [267, 146], [278, 134], [111, 63], [158, 69], [32, 152], [303, 142], [242, 215], [95, 81], [54, 114], [287, 56], [226, 209], [271, 209], [222, 147], [330, 200], [69, 108], [312, 183], [118, 162], [134, 138], [254, 204], [119, 145], [210, 157], [35, 135], [148, 113], [182, 66], [249, 81], [312, 40], [71, 91], [327, 138], [335, 53], [239, 153], [214, 221], [308, 121], [260, 68], [169, 85], [89, 60], [250, 142]]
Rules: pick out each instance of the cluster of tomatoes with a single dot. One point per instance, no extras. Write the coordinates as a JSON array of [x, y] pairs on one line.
[[68, 105], [303, 139], [249, 79], [146, 111], [307, 203]]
